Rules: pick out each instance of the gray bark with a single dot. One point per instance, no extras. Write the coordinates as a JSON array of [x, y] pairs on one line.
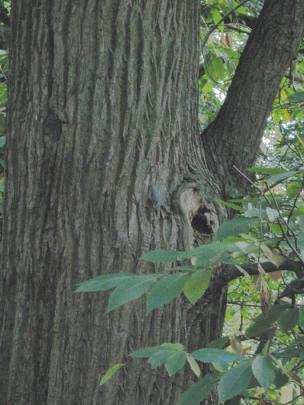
[[102, 110]]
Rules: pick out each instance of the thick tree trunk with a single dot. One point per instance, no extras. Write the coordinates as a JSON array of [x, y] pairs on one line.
[[102, 118], [103, 112]]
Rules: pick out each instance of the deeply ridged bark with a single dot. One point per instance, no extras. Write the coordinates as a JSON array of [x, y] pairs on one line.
[[103, 110]]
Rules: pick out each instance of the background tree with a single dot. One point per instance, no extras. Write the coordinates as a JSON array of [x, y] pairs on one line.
[[104, 162]]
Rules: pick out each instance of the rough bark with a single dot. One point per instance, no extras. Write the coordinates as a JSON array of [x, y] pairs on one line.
[[102, 112]]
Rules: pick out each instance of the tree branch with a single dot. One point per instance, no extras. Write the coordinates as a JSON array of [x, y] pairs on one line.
[[230, 273], [234, 136], [214, 27]]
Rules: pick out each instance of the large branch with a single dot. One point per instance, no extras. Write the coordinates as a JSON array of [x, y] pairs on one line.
[[231, 273], [234, 137]]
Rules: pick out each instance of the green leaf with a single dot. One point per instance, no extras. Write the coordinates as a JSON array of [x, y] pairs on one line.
[[216, 68], [210, 252], [299, 211], [196, 285], [169, 354], [288, 353], [301, 317], [297, 97], [235, 381], [300, 240], [2, 141], [213, 355], [258, 328], [263, 370], [219, 343], [281, 379], [235, 226], [272, 214], [230, 204], [163, 256], [130, 290], [215, 16], [3, 94], [252, 212], [103, 283], [266, 170], [293, 188], [265, 322], [278, 178], [165, 290], [288, 319], [160, 357], [173, 346], [175, 362], [275, 228], [198, 391], [110, 373]]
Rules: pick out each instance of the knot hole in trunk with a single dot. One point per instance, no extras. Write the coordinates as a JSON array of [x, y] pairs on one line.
[[201, 216]]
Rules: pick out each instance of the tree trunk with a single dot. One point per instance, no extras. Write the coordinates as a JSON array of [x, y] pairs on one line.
[[103, 164], [102, 118]]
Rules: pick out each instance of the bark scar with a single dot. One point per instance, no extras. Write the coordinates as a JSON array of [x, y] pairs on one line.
[[201, 217]]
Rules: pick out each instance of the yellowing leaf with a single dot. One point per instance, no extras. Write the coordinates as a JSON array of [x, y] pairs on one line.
[[236, 344], [229, 40], [283, 95], [245, 349], [110, 373], [265, 294], [286, 116], [276, 275], [271, 256], [226, 40], [194, 365]]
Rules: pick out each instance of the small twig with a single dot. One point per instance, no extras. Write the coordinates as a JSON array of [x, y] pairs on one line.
[[294, 203], [245, 177], [220, 22], [237, 29], [243, 304], [279, 212], [281, 218]]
